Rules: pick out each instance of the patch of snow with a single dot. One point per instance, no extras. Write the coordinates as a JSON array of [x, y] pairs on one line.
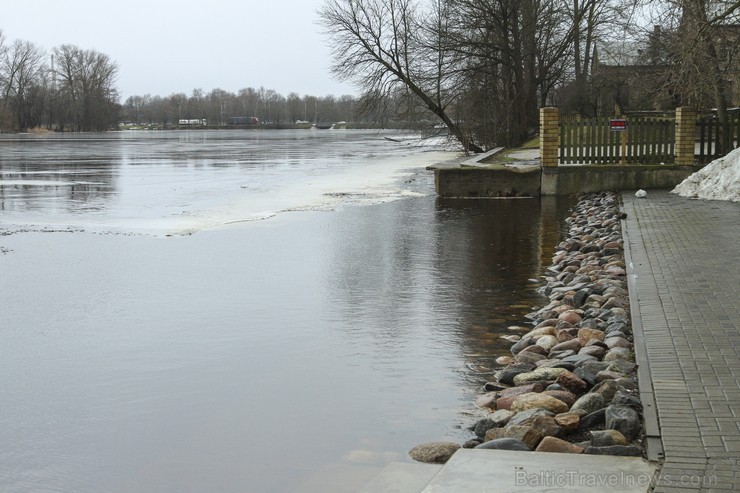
[[719, 180]]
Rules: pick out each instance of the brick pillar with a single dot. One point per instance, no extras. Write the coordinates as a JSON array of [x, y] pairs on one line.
[[685, 136], [549, 136]]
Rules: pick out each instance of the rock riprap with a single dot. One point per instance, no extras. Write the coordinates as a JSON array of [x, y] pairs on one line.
[[571, 385]]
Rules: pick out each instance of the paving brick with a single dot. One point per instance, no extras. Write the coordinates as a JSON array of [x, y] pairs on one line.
[[684, 256]]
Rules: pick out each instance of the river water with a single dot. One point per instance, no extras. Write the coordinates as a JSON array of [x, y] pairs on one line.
[[245, 311]]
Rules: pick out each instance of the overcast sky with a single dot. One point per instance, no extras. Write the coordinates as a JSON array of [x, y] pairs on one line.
[[165, 47]]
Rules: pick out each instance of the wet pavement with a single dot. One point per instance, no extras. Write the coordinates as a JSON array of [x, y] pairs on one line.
[[685, 291]]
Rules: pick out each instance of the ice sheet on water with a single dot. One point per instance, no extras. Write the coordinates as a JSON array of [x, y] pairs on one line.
[[174, 186]]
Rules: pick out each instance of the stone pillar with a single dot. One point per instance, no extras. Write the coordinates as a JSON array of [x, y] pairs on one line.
[[549, 136], [685, 136]]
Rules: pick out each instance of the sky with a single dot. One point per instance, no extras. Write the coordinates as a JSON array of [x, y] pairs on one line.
[[166, 47]]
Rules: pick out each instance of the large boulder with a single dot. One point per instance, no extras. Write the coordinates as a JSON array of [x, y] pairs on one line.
[[571, 382], [538, 400], [585, 335], [589, 402], [623, 419], [504, 444], [607, 438], [434, 452], [526, 434], [538, 375], [568, 422], [556, 445], [567, 397]]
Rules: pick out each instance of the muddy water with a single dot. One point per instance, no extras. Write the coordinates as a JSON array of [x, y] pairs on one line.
[[287, 354]]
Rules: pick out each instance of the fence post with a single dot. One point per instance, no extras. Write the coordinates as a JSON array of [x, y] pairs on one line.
[[685, 135], [549, 135]]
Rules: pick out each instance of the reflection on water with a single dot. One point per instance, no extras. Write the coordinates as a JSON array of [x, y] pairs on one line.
[[492, 251], [263, 358]]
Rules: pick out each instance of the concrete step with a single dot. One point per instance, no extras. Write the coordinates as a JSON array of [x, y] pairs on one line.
[[402, 477], [494, 471]]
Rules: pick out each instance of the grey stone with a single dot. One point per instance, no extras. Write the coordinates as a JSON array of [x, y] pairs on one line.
[[624, 366], [623, 398], [593, 419], [482, 426], [504, 444], [617, 354], [608, 375], [523, 343], [529, 357], [586, 376], [589, 402], [581, 296], [614, 341], [627, 383], [572, 344], [597, 352], [526, 434], [594, 366], [580, 360], [526, 417], [562, 364], [434, 452], [546, 425], [561, 354], [607, 389], [607, 438], [623, 419], [537, 375], [546, 342], [500, 418], [506, 376]]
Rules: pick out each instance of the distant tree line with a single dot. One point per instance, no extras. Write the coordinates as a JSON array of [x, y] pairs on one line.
[[68, 89], [72, 89], [484, 67], [218, 106]]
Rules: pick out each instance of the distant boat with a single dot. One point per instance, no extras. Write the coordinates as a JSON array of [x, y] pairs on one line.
[[341, 124], [323, 126]]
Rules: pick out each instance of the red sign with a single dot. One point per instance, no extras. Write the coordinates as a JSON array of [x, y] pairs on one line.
[[618, 124]]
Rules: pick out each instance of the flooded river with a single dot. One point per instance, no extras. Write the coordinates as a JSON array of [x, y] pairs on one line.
[[245, 311]]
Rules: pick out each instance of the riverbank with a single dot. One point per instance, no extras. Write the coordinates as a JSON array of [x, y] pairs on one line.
[[570, 384]]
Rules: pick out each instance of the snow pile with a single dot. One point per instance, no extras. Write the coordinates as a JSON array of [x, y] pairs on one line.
[[719, 180]]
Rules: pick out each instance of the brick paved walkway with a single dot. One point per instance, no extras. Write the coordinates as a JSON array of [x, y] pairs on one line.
[[685, 281]]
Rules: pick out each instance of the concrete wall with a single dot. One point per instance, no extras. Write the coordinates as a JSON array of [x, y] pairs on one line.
[[487, 182], [566, 180], [563, 180]]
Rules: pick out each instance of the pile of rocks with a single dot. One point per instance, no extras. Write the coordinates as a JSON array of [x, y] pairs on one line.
[[570, 384]]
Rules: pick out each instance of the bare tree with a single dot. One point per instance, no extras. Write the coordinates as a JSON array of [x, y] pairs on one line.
[[21, 68], [385, 44], [87, 91], [698, 45]]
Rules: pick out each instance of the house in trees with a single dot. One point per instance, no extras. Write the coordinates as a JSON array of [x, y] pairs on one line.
[[661, 79]]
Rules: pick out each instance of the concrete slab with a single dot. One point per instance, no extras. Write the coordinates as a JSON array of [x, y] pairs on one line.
[[494, 471], [402, 477]]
